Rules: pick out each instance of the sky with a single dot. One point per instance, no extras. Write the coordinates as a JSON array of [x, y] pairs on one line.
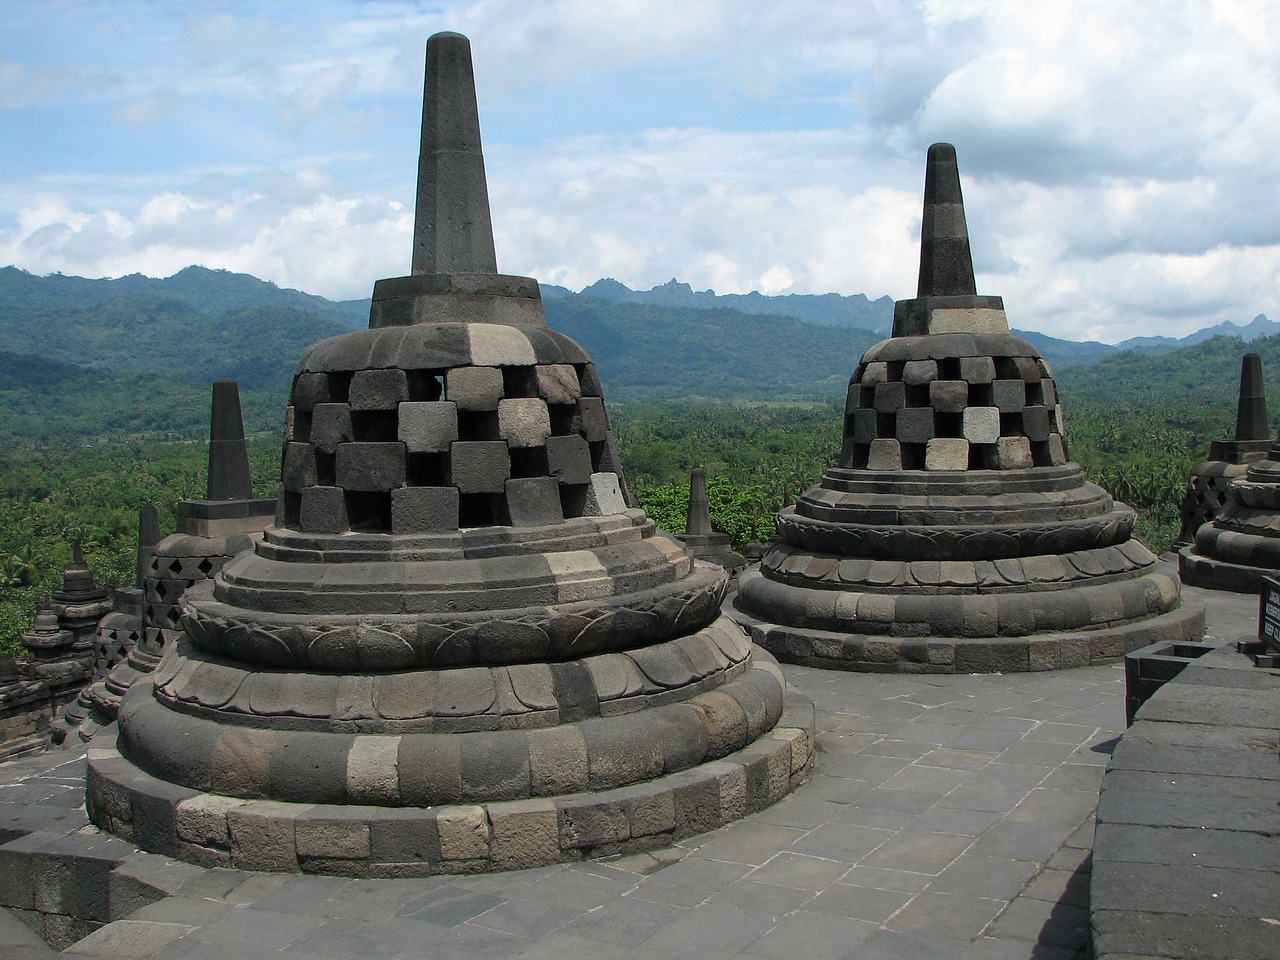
[[1120, 161]]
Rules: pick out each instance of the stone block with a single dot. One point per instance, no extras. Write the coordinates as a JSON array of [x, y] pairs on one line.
[[525, 834], [428, 426], [890, 396], [330, 426], [1028, 369], [533, 501], [590, 381], [1057, 450], [262, 836], [604, 496], [558, 760], [310, 389], [202, 819], [299, 470], [1035, 423], [403, 836], [464, 833], [948, 396], [569, 459], [981, 424], [370, 466], [594, 419], [378, 389], [884, 455], [1013, 453], [864, 426], [332, 833], [946, 453], [324, 510], [1010, 396], [481, 466], [918, 373], [424, 509], [474, 388], [557, 382], [873, 373], [496, 344], [524, 421], [977, 369], [914, 425]]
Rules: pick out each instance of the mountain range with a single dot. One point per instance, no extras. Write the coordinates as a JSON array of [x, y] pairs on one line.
[[73, 346]]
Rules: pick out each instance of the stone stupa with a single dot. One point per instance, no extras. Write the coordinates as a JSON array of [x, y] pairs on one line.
[[457, 649], [1206, 492], [955, 535], [702, 540]]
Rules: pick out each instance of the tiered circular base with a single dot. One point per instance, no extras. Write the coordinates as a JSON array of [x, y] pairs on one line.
[[1241, 547], [958, 572]]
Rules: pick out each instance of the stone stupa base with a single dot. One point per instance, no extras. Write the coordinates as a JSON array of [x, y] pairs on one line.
[[353, 840], [1214, 574], [931, 650]]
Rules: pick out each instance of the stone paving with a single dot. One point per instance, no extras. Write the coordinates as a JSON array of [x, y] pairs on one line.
[[947, 817]]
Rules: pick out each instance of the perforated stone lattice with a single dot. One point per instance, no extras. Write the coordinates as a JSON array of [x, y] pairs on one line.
[[432, 450], [953, 413]]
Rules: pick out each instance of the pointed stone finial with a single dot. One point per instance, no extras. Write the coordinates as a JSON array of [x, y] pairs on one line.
[[1251, 411], [148, 537], [455, 275], [946, 264], [228, 455], [77, 553], [698, 522], [946, 298], [452, 230]]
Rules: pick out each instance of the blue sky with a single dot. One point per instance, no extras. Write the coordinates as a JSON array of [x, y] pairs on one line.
[[1119, 159]]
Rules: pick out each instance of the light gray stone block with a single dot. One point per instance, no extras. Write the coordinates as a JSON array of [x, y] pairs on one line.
[[557, 382], [981, 424], [946, 453], [1013, 453], [524, 422], [884, 455], [1009, 395], [604, 496]]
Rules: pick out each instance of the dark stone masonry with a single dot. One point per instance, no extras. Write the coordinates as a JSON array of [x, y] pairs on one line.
[[457, 649], [955, 535]]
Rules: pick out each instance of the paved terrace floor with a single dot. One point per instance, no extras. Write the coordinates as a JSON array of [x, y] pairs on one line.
[[947, 817]]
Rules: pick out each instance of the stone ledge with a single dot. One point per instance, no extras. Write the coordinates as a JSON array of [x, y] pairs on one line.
[[368, 841], [881, 653], [1186, 858]]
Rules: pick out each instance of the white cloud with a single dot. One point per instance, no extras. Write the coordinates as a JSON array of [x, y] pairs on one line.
[[1117, 158]]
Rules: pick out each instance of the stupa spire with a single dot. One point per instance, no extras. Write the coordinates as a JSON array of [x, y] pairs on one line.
[[698, 519], [452, 232], [228, 455], [1251, 410], [946, 298], [946, 264]]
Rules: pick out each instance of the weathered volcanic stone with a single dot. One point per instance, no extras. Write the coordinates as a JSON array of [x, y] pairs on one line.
[[956, 536], [457, 649]]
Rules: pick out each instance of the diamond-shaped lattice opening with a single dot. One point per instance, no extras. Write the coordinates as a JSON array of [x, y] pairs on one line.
[[171, 617], [205, 567], [176, 567], [161, 590]]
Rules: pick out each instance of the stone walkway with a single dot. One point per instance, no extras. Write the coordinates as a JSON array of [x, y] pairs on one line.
[[947, 817]]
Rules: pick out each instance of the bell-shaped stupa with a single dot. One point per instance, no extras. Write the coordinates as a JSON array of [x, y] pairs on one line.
[[1206, 492], [457, 649], [955, 535]]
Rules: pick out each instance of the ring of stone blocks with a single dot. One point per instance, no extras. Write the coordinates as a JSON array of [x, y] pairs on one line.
[[453, 586], [1243, 547], [1007, 508], [418, 769], [1009, 614], [1259, 496], [951, 655], [458, 700], [987, 542], [785, 564], [577, 533], [488, 637], [381, 841]]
